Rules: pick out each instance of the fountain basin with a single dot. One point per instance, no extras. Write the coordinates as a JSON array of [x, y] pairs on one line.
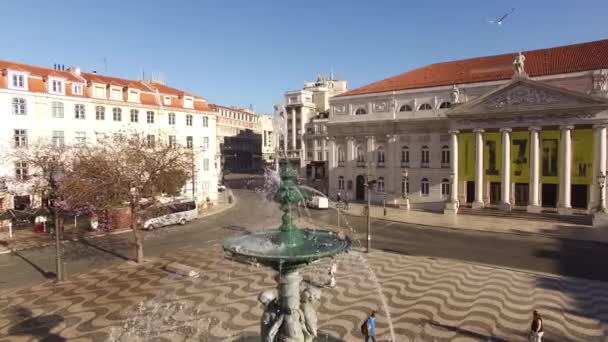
[[265, 247]]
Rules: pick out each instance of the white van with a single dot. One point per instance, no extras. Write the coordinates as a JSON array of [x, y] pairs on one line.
[[172, 213], [318, 202]]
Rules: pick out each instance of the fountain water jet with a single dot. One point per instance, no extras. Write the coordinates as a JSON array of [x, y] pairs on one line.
[[288, 318]]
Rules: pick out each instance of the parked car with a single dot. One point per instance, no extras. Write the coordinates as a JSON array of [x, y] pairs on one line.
[[221, 188], [171, 213], [318, 202]]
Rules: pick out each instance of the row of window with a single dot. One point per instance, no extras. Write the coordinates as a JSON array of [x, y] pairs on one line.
[[58, 138], [238, 115], [408, 108], [405, 155], [19, 106], [22, 170], [405, 186]]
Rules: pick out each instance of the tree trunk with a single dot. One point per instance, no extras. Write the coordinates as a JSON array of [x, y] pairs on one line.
[[58, 262], [137, 236]]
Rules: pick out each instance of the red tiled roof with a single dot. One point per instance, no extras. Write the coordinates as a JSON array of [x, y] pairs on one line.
[[164, 89], [215, 108], [556, 60], [201, 105], [38, 71], [97, 78]]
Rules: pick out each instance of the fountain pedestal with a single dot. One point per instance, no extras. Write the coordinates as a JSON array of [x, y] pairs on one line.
[[290, 316]]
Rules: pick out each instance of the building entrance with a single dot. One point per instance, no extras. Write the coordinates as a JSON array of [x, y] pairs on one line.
[[470, 191], [495, 192], [521, 194], [360, 188], [579, 196], [549, 195]]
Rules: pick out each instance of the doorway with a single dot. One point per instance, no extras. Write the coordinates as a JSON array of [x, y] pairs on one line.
[[549, 195], [360, 188], [470, 191], [521, 194], [495, 192], [579, 196]]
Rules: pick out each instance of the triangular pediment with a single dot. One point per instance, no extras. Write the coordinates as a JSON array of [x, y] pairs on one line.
[[527, 96]]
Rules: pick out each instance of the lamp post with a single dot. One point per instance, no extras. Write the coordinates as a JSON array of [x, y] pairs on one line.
[[404, 193], [601, 179], [369, 182]]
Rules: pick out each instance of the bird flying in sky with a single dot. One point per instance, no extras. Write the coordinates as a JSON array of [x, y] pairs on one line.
[[501, 19]]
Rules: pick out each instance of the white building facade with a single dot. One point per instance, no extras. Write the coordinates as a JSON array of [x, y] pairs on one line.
[[70, 106], [301, 107], [512, 131]]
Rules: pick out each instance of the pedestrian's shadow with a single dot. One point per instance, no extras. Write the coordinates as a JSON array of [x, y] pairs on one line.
[[322, 337], [45, 274], [467, 333], [39, 326]]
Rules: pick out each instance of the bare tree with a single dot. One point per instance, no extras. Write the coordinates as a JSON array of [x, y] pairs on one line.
[[40, 168], [129, 169]]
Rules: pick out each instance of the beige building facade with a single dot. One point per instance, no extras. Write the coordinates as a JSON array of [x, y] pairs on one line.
[[515, 132]]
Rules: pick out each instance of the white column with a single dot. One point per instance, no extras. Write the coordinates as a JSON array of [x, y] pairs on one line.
[[565, 184], [451, 207], [390, 165], [315, 147], [332, 177], [506, 169], [478, 202], [323, 148], [533, 199], [370, 147], [350, 165], [294, 128], [600, 163]]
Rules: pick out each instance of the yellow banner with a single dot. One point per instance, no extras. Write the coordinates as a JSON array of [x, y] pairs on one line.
[[520, 157], [582, 156], [466, 157], [492, 156], [549, 157]]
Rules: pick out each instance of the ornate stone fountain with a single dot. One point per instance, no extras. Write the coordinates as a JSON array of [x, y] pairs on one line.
[[289, 315]]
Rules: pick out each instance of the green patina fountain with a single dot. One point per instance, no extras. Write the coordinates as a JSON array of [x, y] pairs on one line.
[[289, 314]]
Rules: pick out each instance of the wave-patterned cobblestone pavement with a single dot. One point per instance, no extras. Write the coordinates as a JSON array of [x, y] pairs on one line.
[[428, 300]]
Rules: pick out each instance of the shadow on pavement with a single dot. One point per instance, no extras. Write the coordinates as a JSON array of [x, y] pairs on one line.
[[39, 326], [585, 260], [45, 274], [109, 246], [467, 333], [323, 337]]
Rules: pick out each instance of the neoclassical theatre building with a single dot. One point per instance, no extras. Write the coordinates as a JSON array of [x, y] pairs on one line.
[[519, 131]]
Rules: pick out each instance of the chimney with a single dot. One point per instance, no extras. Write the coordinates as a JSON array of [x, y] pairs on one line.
[[74, 70]]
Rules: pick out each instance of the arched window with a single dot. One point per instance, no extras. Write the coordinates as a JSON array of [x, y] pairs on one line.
[[445, 187], [341, 156], [380, 184], [405, 108], [445, 105], [424, 187], [381, 155], [445, 156], [424, 157], [360, 111], [360, 155], [341, 183], [405, 155], [425, 106]]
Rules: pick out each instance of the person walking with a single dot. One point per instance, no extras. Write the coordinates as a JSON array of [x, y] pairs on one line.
[[339, 197], [368, 328], [346, 198], [536, 328]]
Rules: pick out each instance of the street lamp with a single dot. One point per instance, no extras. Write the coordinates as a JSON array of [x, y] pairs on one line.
[[404, 193], [601, 179]]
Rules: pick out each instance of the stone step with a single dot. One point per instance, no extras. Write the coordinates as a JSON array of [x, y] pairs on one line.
[[523, 215]]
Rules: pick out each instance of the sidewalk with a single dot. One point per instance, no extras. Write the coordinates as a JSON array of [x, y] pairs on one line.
[[511, 225], [27, 239]]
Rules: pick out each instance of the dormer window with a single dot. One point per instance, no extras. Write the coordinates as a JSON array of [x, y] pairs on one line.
[[77, 89], [167, 100], [116, 94], [99, 92], [18, 80], [188, 102], [133, 95], [56, 86]]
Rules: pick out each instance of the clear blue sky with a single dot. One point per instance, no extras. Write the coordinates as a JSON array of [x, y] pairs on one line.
[[241, 52]]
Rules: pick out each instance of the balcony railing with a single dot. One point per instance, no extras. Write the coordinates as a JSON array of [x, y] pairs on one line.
[[405, 164], [424, 165], [360, 163], [445, 165]]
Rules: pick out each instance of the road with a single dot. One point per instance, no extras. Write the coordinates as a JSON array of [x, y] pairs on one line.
[[253, 212]]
